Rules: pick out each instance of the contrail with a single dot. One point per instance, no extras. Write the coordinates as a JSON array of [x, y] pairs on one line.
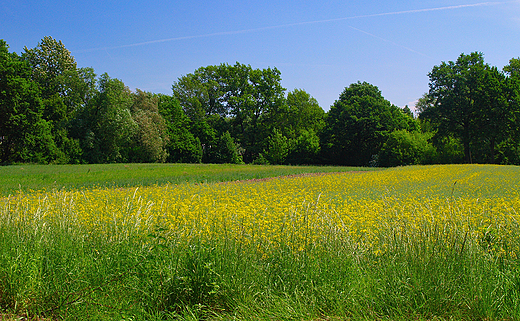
[[226, 33], [386, 40]]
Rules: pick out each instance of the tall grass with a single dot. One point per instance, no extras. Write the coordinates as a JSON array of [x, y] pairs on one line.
[[136, 267]]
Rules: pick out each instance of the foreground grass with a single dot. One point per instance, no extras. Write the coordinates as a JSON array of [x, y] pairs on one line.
[[28, 178], [420, 243]]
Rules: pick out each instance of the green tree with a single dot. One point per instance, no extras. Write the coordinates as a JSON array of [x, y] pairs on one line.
[[448, 149], [24, 135], [468, 101], [423, 103], [225, 150], [149, 142], [304, 149], [301, 121], [202, 93], [303, 113], [201, 96], [63, 90], [508, 150], [513, 68], [237, 98], [406, 148], [494, 111], [254, 95], [277, 148], [108, 123], [182, 145], [358, 124]]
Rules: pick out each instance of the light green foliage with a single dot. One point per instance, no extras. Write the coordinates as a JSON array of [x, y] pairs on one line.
[[182, 146], [303, 114], [150, 140], [305, 148], [513, 68], [300, 121], [278, 148], [63, 91], [54, 68], [406, 148], [110, 125]]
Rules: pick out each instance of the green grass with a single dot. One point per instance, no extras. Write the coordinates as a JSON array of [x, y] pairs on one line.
[[53, 268], [59, 272], [38, 177]]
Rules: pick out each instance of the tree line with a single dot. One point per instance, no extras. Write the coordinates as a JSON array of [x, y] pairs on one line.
[[52, 111]]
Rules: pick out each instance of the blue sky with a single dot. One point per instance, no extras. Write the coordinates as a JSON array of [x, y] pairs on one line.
[[319, 46]]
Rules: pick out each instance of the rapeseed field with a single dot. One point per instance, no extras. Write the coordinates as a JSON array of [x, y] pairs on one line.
[[413, 242]]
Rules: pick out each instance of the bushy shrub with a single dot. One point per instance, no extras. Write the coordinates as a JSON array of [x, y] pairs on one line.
[[406, 148]]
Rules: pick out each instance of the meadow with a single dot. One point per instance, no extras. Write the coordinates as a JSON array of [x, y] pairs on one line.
[[408, 243], [27, 178]]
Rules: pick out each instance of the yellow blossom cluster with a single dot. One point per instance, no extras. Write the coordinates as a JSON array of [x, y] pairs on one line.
[[298, 212]]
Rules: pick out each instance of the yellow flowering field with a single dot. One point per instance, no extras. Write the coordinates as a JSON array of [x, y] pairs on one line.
[[299, 212], [419, 242]]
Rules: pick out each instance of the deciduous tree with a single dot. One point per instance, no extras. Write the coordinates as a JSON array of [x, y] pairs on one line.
[[182, 146], [149, 142], [358, 124], [64, 89], [109, 126], [24, 135], [468, 101], [241, 97]]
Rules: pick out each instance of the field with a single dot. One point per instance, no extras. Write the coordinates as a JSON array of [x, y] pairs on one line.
[[51, 177], [410, 243]]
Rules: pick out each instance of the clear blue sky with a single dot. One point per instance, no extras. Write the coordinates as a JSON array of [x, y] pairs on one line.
[[319, 46]]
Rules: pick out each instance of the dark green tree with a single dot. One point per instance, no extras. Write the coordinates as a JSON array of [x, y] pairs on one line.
[[468, 101], [449, 149], [24, 135], [508, 150], [225, 150], [358, 125]]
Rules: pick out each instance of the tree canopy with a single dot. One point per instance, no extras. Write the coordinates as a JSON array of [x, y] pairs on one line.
[[52, 111], [472, 102], [359, 123]]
